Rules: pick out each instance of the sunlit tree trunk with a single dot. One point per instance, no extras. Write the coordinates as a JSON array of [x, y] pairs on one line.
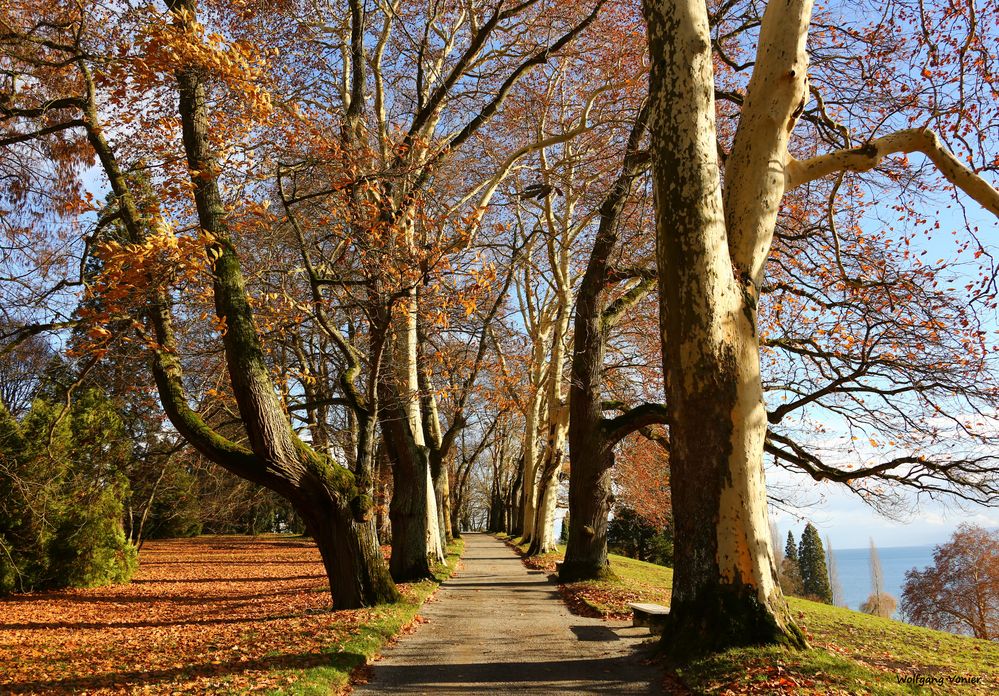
[[557, 424], [530, 441], [725, 589]]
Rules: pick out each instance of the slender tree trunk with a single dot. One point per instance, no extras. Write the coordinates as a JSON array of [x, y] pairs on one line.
[[516, 500], [591, 443], [543, 540], [557, 419], [443, 487], [725, 589], [530, 448]]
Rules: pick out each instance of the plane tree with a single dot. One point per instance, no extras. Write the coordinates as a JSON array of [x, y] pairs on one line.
[[714, 239]]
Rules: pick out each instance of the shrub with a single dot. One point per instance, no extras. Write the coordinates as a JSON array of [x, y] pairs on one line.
[[879, 604], [630, 535], [61, 493]]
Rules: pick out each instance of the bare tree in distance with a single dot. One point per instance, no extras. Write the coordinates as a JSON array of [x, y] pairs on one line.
[[834, 584], [878, 603]]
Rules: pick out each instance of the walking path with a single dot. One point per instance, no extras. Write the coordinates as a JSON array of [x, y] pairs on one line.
[[498, 628]]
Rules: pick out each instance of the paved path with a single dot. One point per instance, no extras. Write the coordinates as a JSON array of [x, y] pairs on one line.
[[498, 628]]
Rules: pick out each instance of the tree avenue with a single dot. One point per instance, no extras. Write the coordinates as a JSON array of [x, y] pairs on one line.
[[413, 266]]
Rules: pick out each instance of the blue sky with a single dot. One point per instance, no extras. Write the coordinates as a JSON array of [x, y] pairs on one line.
[[842, 515], [850, 523]]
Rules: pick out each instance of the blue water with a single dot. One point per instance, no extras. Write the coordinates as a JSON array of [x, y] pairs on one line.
[[854, 570]]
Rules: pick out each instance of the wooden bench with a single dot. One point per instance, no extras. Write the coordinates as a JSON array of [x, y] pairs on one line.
[[652, 616]]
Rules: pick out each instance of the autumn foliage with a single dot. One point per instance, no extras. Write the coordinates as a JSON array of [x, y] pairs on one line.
[[959, 592]]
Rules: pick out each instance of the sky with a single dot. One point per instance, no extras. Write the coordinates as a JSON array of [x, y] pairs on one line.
[[850, 523], [843, 516]]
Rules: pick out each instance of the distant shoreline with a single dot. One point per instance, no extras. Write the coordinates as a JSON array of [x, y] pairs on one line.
[[854, 573]]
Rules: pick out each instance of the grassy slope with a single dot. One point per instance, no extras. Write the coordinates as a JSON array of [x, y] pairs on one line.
[[366, 640], [852, 653]]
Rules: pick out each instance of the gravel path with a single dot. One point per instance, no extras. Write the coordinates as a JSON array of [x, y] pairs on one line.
[[498, 628]]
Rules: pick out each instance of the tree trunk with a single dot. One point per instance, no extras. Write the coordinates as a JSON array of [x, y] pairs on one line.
[[416, 542], [442, 493], [543, 539], [530, 448], [411, 558], [445, 505], [589, 508], [557, 420], [351, 554], [407, 342], [591, 447], [725, 590]]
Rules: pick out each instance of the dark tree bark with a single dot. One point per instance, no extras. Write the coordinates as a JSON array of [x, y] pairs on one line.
[[592, 437], [408, 508]]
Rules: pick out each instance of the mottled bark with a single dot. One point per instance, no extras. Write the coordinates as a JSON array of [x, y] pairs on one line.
[[725, 589]]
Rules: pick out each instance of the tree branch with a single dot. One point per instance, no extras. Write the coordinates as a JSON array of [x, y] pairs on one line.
[[616, 429], [870, 155]]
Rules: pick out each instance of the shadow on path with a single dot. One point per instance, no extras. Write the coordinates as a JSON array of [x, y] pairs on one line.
[[498, 628]]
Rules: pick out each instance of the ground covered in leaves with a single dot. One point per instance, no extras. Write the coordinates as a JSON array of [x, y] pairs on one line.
[[203, 615], [852, 653]]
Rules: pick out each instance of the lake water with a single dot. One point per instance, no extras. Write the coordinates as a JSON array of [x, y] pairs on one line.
[[854, 570]]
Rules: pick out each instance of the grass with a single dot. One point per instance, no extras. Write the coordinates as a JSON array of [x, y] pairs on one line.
[[851, 653], [635, 581], [386, 622]]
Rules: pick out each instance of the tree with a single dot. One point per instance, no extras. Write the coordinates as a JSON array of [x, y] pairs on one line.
[[62, 487], [384, 154], [812, 559], [630, 535], [834, 584], [878, 603], [959, 592], [791, 549], [593, 436], [21, 366], [789, 572], [713, 244], [141, 275]]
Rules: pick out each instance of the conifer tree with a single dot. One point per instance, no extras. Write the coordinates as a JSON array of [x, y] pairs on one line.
[[790, 569], [791, 549], [812, 561]]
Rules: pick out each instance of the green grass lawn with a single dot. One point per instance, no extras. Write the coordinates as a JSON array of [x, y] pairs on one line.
[[851, 653], [365, 640]]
